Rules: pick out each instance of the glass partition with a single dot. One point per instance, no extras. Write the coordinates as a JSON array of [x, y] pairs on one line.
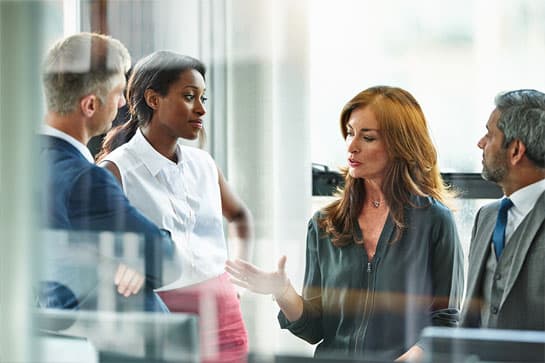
[[109, 336], [279, 73], [78, 304], [483, 345]]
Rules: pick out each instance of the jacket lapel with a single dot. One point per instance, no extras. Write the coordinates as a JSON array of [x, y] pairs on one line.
[[481, 243], [524, 236]]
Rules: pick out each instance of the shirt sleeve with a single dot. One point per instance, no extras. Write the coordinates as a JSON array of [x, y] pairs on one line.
[[309, 326], [447, 272], [471, 312]]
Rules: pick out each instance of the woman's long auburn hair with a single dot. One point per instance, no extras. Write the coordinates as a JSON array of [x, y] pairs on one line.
[[413, 168]]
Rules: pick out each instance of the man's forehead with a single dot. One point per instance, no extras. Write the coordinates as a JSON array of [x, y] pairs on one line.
[[494, 116]]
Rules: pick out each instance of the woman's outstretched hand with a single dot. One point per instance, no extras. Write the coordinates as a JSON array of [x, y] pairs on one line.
[[246, 275]]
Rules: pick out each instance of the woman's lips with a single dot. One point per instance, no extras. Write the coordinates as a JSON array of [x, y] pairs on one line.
[[196, 123], [353, 163]]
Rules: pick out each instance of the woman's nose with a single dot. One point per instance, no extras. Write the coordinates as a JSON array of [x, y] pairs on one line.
[[200, 108], [352, 145]]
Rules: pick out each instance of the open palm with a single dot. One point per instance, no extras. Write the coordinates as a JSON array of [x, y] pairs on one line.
[[246, 275]]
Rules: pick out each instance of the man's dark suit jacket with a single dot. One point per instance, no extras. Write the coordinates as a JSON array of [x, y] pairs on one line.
[[77, 195]]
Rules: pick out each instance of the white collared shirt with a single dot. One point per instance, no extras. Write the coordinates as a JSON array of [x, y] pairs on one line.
[[523, 201], [51, 131], [183, 198]]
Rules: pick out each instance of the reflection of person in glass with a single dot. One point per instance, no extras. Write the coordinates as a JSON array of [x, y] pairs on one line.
[[181, 188], [506, 279], [84, 80], [383, 261]]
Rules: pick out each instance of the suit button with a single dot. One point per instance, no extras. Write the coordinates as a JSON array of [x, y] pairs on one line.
[[497, 276], [494, 309]]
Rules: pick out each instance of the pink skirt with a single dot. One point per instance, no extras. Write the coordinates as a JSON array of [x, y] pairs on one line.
[[223, 335]]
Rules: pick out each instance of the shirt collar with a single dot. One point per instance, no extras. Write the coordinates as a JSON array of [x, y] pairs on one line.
[[525, 198], [151, 158], [51, 131]]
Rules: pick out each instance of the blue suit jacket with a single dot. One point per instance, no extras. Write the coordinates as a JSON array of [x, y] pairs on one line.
[[77, 195]]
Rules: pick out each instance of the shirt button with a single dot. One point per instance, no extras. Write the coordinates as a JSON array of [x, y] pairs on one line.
[[497, 276], [494, 309]]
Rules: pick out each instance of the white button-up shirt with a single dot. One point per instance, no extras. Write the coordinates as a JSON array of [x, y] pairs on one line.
[[183, 198], [523, 201]]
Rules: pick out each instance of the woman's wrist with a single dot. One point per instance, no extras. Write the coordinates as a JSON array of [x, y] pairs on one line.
[[279, 295]]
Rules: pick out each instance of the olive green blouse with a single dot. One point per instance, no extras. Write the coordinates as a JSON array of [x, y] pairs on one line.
[[377, 309]]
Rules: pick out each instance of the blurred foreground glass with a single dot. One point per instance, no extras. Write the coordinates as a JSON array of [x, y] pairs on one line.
[[80, 314], [483, 345]]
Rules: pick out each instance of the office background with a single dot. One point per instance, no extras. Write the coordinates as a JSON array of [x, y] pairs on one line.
[[279, 73]]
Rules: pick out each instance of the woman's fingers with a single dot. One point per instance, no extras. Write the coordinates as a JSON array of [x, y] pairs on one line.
[[246, 266], [250, 277], [235, 273], [282, 263], [238, 282], [246, 275], [243, 268]]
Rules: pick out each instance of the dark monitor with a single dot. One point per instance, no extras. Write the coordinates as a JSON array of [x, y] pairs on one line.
[[451, 345]]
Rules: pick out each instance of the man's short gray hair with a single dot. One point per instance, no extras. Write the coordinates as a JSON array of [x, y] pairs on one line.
[[522, 117], [82, 64]]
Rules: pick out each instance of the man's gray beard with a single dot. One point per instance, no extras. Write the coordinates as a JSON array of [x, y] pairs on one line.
[[496, 175]]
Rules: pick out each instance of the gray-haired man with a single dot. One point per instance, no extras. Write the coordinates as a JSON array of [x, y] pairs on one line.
[[506, 277], [84, 80]]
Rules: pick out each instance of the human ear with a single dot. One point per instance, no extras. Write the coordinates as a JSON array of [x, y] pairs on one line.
[[517, 151], [89, 105], [152, 98]]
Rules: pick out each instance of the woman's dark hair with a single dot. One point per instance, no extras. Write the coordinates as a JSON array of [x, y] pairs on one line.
[[157, 71]]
